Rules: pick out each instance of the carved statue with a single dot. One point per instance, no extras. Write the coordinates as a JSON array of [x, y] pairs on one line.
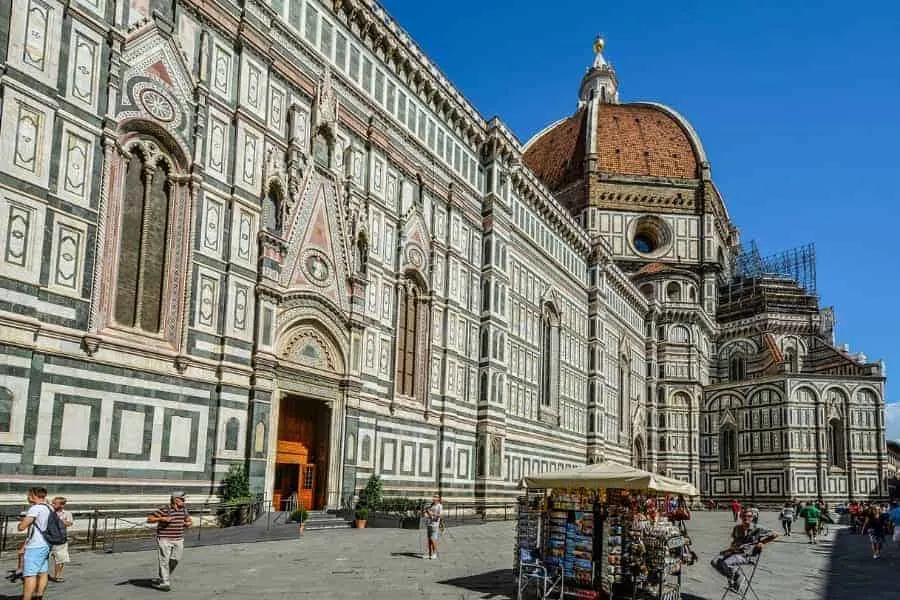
[[362, 248]]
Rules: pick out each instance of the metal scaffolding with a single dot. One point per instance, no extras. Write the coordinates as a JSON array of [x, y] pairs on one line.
[[798, 264]]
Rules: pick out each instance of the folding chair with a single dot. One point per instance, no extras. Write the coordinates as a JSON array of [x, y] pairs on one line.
[[745, 578]]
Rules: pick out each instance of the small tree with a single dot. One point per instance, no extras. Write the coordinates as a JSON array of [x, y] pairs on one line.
[[372, 494], [236, 485]]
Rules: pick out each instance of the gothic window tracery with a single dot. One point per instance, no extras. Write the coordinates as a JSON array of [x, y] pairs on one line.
[[728, 448], [737, 368], [412, 323], [549, 356], [836, 452], [149, 180]]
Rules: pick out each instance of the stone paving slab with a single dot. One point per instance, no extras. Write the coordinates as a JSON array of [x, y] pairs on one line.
[[384, 564]]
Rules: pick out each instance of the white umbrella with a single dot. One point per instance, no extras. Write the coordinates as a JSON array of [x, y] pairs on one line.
[[609, 475]]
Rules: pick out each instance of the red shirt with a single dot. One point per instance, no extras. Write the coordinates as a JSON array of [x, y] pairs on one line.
[[736, 506]]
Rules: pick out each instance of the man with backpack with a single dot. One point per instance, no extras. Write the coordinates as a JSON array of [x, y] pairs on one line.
[[44, 530]]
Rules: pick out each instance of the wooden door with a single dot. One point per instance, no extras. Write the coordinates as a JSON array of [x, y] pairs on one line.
[[287, 484], [308, 485], [297, 452]]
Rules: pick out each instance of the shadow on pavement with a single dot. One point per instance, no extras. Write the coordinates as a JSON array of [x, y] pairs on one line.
[[493, 584], [416, 555], [141, 583], [854, 575]]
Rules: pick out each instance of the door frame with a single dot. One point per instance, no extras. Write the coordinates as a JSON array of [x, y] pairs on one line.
[[327, 390]]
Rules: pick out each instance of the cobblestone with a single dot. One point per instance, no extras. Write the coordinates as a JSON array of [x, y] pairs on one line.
[[382, 564]]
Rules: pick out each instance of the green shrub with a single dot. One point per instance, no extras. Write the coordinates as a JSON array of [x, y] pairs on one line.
[[362, 514], [300, 515], [371, 496], [236, 485]]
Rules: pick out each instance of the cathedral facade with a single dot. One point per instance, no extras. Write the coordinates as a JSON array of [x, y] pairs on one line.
[[274, 234]]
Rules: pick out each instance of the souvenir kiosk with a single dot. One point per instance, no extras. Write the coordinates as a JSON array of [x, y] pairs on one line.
[[600, 532]]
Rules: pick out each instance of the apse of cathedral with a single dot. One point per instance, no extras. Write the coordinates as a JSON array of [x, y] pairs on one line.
[[273, 234]]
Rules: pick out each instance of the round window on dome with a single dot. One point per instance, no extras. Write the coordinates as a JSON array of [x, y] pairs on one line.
[[650, 236], [645, 243]]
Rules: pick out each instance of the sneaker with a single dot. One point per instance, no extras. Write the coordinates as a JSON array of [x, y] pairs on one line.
[[426, 556], [433, 557], [163, 587]]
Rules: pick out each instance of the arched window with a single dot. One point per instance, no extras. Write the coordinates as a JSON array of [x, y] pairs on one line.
[[737, 370], [673, 291], [790, 361], [365, 451], [647, 290], [836, 443], [141, 278], [412, 318], [6, 409], [549, 355], [496, 456], [232, 429], [728, 457], [623, 392], [662, 443]]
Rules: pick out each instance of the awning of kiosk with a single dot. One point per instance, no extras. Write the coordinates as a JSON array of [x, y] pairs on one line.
[[608, 475]]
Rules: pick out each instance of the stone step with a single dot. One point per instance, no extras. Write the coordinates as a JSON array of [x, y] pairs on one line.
[[327, 525]]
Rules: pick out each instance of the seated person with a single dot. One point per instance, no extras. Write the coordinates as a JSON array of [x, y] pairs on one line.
[[747, 539]]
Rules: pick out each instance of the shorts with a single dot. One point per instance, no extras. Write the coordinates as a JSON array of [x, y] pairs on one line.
[[810, 527], [876, 538], [434, 532], [60, 553], [36, 561]]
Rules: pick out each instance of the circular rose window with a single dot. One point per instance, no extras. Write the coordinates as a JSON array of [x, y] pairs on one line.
[[650, 236]]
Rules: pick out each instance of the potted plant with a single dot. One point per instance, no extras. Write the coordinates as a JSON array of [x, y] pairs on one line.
[[300, 516], [236, 497], [361, 516]]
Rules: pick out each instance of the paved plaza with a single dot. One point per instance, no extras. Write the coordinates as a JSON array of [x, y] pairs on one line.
[[384, 564]]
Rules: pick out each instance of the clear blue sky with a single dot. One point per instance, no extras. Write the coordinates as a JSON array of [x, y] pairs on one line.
[[797, 104]]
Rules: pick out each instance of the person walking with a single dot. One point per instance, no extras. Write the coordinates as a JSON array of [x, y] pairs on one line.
[[37, 550], [171, 521], [787, 517], [810, 515], [894, 518], [875, 523], [60, 553], [433, 526], [735, 509]]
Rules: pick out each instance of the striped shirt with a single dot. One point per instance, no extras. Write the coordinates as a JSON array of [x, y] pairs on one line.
[[174, 529]]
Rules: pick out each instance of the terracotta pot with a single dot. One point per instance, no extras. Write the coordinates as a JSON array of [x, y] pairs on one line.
[[360, 524]]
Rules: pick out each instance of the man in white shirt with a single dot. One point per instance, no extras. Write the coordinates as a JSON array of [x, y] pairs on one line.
[[433, 525], [37, 550]]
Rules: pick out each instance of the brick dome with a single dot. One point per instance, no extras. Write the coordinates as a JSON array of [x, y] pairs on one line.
[[646, 140]]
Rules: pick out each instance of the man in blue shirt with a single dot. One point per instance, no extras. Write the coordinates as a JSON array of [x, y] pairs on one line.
[[894, 517]]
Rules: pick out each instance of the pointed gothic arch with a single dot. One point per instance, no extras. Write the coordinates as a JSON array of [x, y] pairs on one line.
[[550, 324], [413, 329]]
